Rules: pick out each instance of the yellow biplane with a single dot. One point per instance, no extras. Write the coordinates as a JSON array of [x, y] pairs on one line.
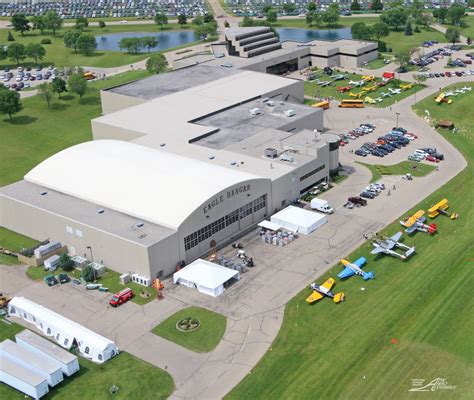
[[324, 291], [407, 86], [358, 95], [440, 208], [368, 78]]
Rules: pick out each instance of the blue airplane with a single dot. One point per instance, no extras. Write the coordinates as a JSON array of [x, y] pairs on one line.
[[355, 269]]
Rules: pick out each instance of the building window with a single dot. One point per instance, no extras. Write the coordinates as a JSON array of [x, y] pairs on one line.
[[48, 331], [314, 171], [86, 350], [100, 357], [66, 341]]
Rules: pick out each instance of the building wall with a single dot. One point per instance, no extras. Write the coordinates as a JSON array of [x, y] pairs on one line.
[[112, 102], [164, 256], [102, 131], [117, 253]]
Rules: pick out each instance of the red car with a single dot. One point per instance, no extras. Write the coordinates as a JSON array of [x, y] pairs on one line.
[[448, 74], [341, 143], [431, 158]]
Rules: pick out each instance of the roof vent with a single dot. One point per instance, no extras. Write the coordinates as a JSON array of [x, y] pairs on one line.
[[233, 163], [265, 99], [270, 152], [43, 193], [140, 225], [162, 144], [100, 211], [211, 157]]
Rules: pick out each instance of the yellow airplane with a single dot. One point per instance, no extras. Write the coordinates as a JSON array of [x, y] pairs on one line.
[[368, 78], [440, 208], [440, 98], [358, 95], [411, 220], [407, 86], [369, 100], [324, 291]]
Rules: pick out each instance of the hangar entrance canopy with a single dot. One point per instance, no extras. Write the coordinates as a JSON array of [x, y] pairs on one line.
[[298, 220], [206, 277]]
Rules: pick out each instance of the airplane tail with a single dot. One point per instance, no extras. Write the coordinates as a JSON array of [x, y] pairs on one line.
[[338, 297], [368, 275], [432, 229]]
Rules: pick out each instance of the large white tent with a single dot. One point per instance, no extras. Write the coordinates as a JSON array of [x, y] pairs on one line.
[[65, 332], [297, 219], [206, 277]]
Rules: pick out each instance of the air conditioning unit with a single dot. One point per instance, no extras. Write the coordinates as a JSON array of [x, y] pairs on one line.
[[255, 111], [289, 113], [270, 153], [286, 157]]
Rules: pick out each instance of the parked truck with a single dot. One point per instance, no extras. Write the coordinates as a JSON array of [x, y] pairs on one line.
[[121, 297], [321, 205]]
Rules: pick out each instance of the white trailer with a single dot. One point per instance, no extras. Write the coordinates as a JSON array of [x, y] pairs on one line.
[[30, 340], [22, 379], [40, 365]]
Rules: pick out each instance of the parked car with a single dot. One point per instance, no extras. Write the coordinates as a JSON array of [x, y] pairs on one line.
[[50, 280], [360, 153], [63, 278], [431, 158], [367, 195]]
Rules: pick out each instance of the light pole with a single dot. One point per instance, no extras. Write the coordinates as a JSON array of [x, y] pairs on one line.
[[92, 260], [398, 114]]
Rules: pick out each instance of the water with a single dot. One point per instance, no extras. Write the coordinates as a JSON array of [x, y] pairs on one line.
[[306, 35], [167, 40]]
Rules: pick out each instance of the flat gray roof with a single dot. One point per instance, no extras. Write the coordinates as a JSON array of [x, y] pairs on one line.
[[84, 212], [236, 124], [23, 374], [175, 81], [47, 347]]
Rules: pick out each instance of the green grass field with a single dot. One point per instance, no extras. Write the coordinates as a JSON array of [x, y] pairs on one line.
[[402, 168], [59, 55], [134, 378], [312, 89], [467, 31], [37, 132], [414, 321], [14, 242], [204, 339]]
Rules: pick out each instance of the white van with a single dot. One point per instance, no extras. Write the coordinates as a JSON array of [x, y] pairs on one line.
[[321, 205]]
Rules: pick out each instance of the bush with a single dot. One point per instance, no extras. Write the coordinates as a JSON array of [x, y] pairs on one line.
[[382, 46], [45, 41], [10, 37], [417, 29]]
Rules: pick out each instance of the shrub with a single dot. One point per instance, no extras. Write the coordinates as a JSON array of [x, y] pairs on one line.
[[417, 29], [10, 37], [382, 46], [45, 41]]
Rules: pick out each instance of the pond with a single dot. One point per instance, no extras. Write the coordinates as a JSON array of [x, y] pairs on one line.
[[166, 40], [306, 35]]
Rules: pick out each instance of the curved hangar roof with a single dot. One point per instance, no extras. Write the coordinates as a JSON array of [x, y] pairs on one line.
[[149, 184]]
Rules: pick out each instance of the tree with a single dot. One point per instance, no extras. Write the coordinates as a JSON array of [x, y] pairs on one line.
[[10, 103], [182, 20], [309, 19], [318, 17], [452, 35], [16, 52], [271, 16], [440, 14], [402, 58], [77, 84], [65, 262], [311, 7], [161, 19], [20, 23], [380, 30], [88, 273], [82, 23], [133, 45], [46, 92], [355, 6], [266, 8], [331, 15], [408, 29], [426, 20], [70, 38], [39, 23], [468, 40], [102, 24], [35, 51], [395, 17], [208, 18], [3, 56], [206, 30], [456, 13], [10, 37], [53, 21], [289, 8], [420, 78], [247, 21], [376, 5], [58, 85], [361, 31], [86, 43], [198, 20], [156, 63], [416, 10], [150, 42], [226, 24]]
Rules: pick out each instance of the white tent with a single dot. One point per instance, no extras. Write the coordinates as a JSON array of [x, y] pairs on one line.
[[297, 219], [269, 225], [207, 277], [65, 332]]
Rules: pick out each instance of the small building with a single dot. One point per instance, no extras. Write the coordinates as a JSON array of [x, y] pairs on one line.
[[298, 220], [67, 333], [30, 340], [206, 277], [22, 379], [39, 364]]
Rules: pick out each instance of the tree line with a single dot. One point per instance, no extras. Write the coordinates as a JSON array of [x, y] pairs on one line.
[[18, 52]]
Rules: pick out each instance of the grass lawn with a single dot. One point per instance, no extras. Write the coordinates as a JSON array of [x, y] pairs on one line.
[[134, 378], [414, 321], [468, 31], [40, 132], [14, 242], [375, 64], [204, 339], [60, 55], [311, 88], [402, 168]]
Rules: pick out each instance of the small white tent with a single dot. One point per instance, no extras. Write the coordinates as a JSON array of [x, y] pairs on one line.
[[297, 219], [206, 277], [66, 332]]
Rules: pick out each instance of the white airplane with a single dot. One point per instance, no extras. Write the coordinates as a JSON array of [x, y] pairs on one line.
[[387, 245], [394, 91], [357, 83], [378, 99], [447, 94], [339, 77], [386, 94], [467, 88], [458, 91], [325, 83]]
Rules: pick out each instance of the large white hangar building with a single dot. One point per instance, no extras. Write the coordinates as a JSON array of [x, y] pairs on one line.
[[180, 162]]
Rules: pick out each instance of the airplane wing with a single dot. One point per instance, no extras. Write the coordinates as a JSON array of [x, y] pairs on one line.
[[397, 236], [315, 296], [411, 229], [345, 273], [377, 250], [360, 262], [328, 284]]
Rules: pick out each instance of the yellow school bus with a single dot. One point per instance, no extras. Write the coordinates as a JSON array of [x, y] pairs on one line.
[[352, 104]]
